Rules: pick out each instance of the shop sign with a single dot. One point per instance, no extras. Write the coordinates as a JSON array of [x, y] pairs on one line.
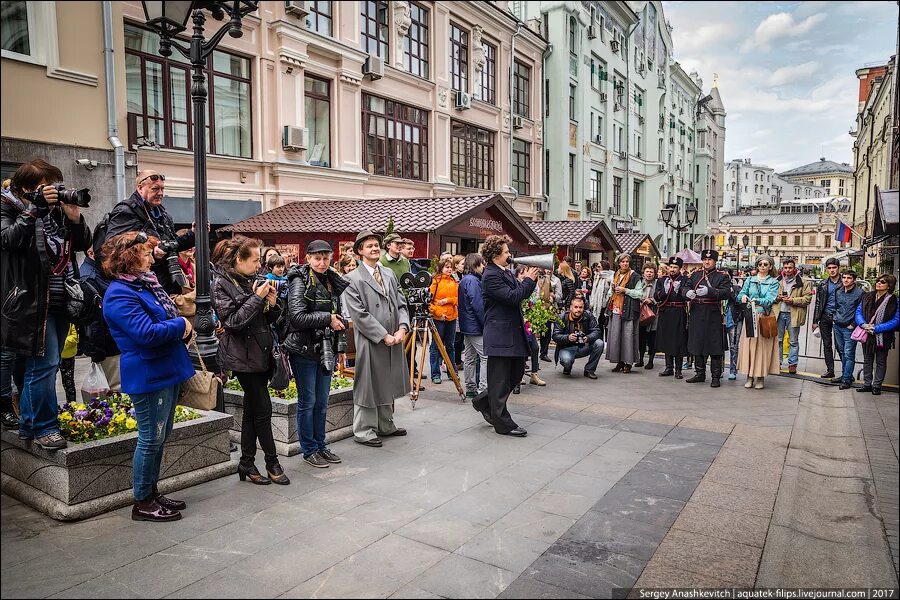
[[482, 223]]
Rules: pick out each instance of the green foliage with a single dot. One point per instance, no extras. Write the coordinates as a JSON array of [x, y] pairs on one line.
[[290, 394], [539, 315], [389, 228], [108, 417]]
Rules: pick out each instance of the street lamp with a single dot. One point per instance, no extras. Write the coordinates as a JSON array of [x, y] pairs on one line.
[[168, 19], [669, 210]]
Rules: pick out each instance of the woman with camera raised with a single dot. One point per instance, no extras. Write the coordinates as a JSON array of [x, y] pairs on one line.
[[247, 306], [314, 337], [443, 307], [41, 233]]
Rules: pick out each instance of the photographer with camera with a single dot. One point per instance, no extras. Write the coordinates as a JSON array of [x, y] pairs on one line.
[[247, 307], [578, 335], [505, 340], [42, 228], [144, 211], [315, 338]]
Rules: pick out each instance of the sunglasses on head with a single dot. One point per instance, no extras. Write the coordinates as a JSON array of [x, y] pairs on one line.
[[140, 238], [154, 177]]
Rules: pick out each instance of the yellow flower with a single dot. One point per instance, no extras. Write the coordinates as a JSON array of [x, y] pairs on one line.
[[130, 423], [119, 418], [65, 416]]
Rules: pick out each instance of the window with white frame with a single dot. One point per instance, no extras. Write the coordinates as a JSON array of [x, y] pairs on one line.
[[16, 28]]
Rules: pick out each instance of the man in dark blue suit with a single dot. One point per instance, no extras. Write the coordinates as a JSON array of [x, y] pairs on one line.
[[505, 342]]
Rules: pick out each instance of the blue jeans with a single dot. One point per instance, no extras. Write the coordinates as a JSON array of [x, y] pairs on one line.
[[568, 355], [313, 387], [447, 331], [847, 350], [37, 401], [155, 414], [734, 344], [784, 324]]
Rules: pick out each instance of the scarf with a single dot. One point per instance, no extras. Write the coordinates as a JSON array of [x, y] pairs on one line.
[[149, 281], [879, 318], [618, 298]]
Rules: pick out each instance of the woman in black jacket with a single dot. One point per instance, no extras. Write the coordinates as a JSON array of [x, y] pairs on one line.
[[314, 337], [40, 236], [247, 308], [567, 279]]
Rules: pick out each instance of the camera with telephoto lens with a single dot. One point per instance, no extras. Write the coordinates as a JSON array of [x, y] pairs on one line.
[[328, 359], [81, 198], [170, 247]]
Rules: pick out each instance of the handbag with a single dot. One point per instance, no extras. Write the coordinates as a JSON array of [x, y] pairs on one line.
[[647, 314], [861, 335], [202, 390], [281, 375], [768, 325]]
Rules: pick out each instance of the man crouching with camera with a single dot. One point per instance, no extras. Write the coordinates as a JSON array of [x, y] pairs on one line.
[[315, 339], [144, 211], [577, 336]]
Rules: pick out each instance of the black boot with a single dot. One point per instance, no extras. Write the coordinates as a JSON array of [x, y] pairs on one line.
[[668, 370], [649, 364], [716, 377], [699, 372], [678, 366]]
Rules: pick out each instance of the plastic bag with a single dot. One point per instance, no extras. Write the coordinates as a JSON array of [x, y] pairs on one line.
[[95, 384]]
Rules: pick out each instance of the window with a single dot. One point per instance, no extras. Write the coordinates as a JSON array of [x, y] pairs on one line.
[[395, 138], [459, 58], [826, 183], [759, 240], [471, 156], [617, 195], [637, 199], [796, 240], [572, 198], [317, 102], [320, 17], [521, 89], [827, 241], [373, 26], [784, 240], [573, 35], [812, 240], [415, 44], [596, 182], [521, 167], [771, 240], [487, 85], [16, 30], [159, 103], [572, 90]]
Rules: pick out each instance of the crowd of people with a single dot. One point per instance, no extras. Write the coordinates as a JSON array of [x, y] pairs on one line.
[[130, 306]]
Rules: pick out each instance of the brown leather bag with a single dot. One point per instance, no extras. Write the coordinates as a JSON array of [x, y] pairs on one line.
[[768, 325]]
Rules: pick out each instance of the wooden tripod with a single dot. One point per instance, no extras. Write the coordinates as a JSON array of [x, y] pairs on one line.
[[426, 326]]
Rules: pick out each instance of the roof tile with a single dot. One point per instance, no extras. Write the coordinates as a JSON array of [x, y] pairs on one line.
[[563, 233]]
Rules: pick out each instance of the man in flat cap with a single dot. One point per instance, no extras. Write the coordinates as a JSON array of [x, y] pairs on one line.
[[393, 257], [671, 325], [380, 323], [706, 289]]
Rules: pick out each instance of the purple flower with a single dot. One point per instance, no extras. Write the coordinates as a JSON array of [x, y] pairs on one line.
[[81, 414]]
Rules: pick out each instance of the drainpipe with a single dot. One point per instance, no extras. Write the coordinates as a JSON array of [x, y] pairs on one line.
[[111, 110], [629, 98], [512, 59], [545, 195]]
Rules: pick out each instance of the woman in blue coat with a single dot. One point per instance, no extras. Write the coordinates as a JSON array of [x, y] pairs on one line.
[[154, 362], [878, 314], [758, 356], [505, 341]]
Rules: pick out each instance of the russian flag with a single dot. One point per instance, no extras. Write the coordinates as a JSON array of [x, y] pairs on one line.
[[842, 233]]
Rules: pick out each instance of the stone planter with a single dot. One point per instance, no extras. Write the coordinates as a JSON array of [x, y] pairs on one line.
[[90, 478], [339, 419]]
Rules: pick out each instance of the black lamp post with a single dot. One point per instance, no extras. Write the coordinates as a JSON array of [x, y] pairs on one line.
[[168, 19], [669, 210]]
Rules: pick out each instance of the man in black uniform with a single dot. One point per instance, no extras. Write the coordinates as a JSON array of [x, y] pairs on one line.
[[671, 325], [706, 289]]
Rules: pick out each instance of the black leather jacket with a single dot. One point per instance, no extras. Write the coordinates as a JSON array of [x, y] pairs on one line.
[[310, 304], [246, 345], [822, 299], [587, 324]]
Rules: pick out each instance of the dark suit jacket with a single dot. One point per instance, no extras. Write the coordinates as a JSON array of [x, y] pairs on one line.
[[504, 326]]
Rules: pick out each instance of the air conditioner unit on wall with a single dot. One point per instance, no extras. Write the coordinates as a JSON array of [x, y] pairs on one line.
[[603, 97], [298, 9], [373, 67], [517, 122], [591, 32], [614, 45], [295, 139], [598, 139], [464, 101], [539, 206]]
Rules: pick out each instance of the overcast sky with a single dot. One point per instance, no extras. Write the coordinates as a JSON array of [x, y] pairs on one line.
[[786, 71]]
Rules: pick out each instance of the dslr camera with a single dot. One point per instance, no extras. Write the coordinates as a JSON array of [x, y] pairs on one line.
[[328, 359], [580, 338], [275, 284], [72, 197], [170, 247]]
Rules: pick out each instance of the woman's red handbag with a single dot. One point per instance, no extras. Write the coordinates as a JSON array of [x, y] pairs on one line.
[[647, 314]]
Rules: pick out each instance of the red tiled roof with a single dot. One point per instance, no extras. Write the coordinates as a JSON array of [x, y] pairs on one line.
[[411, 215], [568, 233]]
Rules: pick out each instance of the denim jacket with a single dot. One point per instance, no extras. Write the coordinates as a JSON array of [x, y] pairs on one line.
[[845, 313]]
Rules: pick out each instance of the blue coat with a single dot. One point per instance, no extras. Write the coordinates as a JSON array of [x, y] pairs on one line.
[[471, 305], [504, 325], [764, 292], [153, 355]]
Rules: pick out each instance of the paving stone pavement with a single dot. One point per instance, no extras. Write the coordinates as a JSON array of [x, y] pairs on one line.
[[631, 480]]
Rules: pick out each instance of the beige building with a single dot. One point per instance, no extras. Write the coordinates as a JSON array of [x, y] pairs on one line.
[[317, 100], [871, 150], [835, 178]]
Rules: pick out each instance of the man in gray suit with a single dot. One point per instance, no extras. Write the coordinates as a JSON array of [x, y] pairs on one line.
[[380, 323]]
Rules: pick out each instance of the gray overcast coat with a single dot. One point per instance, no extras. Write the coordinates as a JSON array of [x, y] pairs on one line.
[[381, 373]]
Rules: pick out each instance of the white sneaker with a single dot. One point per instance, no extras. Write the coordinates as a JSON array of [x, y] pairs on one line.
[[749, 383]]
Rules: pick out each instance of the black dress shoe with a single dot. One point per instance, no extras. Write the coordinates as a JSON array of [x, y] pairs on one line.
[[876, 391], [399, 432], [618, 367], [545, 358], [151, 510], [715, 383], [276, 474], [678, 375], [666, 373], [374, 442], [696, 379], [253, 475], [865, 388], [828, 375], [517, 432], [844, 386], [9, 420], [169, 503], [590, 375]]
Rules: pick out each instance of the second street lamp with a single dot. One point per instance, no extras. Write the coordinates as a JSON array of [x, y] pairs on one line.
[[168, 19], [669, 210]]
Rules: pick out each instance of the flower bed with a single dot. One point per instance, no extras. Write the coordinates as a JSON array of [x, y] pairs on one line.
[[106, 417], [339, 418]]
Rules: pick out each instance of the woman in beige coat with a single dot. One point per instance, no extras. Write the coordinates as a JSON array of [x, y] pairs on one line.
[[758, 356]]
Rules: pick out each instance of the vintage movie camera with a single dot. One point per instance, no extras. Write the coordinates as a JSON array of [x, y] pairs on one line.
[[417, 292]]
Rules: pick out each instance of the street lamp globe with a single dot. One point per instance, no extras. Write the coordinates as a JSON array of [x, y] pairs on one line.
[[732, 240], [666, 213], [746, 240], [169, 18], [691, 213]]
